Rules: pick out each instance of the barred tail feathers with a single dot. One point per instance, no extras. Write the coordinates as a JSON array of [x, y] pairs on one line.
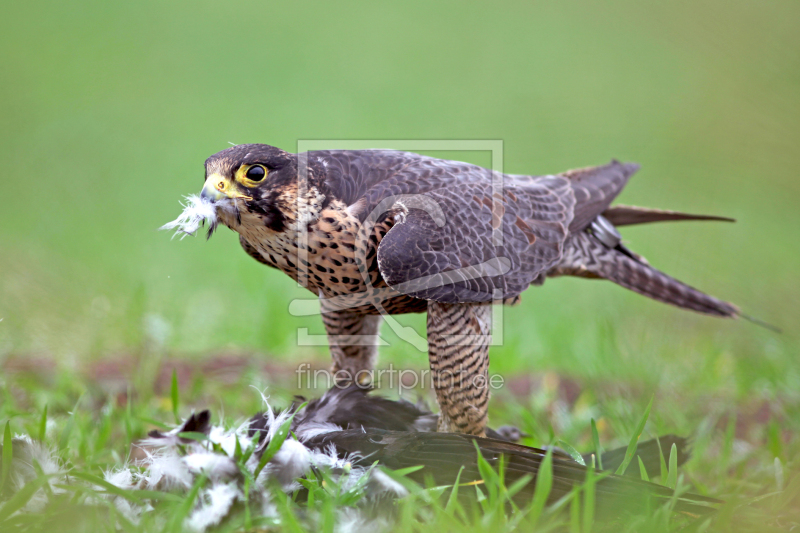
[[586, 256]]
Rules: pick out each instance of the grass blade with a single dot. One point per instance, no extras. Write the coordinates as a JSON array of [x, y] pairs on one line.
[[402, 472], [276, 442], [629, 453], [289, 521], [237, 450], [597, 451], [43, 425], [672, 477], [576, 456], [544, 483], [154, 495], [518, 485], [588, 500], [153, 422], [642, 470], [778, 468], [175, 396], [109, 487], [117, 517], [8, 455], [63, 441], [186, 505], [193, 435], [21, 497], [490, 478], [791, 492], [662, 462], [575, 512], [452, 500]]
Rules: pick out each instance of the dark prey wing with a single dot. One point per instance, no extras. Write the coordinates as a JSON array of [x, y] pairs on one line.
[[472, 244], [443, 455]]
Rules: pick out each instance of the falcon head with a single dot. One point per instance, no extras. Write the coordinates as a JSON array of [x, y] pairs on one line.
[[253, 189], [252, 184]]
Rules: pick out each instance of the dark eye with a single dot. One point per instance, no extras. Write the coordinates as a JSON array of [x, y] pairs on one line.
[[256, 173]]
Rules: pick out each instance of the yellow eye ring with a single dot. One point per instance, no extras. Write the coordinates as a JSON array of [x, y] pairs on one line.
[[252, 175]]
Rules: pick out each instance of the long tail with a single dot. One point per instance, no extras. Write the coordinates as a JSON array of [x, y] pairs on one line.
[[586, 256], [626, 215]]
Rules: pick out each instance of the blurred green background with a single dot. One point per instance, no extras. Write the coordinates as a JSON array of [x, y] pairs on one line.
[[109, 109]]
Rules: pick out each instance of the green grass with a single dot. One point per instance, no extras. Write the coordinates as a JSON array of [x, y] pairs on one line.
[[109, 109], [91, 433]]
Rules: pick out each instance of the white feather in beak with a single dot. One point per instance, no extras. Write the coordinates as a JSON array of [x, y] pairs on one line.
[[196, 212]]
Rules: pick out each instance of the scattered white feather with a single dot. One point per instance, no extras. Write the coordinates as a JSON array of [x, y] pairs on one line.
[[173, 464], [215, 503], [292, 461], [353, 520], [196, 211], [27, 453], [228, 439], [214, 465], [310, 430], [381, 483], [167, 471], [120, 478]]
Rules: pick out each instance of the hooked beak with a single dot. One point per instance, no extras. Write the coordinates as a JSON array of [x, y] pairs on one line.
[[218, 187]]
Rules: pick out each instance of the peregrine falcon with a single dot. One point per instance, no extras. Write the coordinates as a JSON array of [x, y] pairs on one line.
[[377, 232]]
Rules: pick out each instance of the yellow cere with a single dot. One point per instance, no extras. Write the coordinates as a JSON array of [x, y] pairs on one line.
[[218, 182]]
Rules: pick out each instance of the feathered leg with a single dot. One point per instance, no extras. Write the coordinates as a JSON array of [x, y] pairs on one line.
[[458, 349], [352, 338]]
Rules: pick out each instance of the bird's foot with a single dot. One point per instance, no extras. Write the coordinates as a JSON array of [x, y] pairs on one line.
[[446, 425]]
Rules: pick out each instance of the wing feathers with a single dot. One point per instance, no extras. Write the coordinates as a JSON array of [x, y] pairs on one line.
[[595, 188]]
